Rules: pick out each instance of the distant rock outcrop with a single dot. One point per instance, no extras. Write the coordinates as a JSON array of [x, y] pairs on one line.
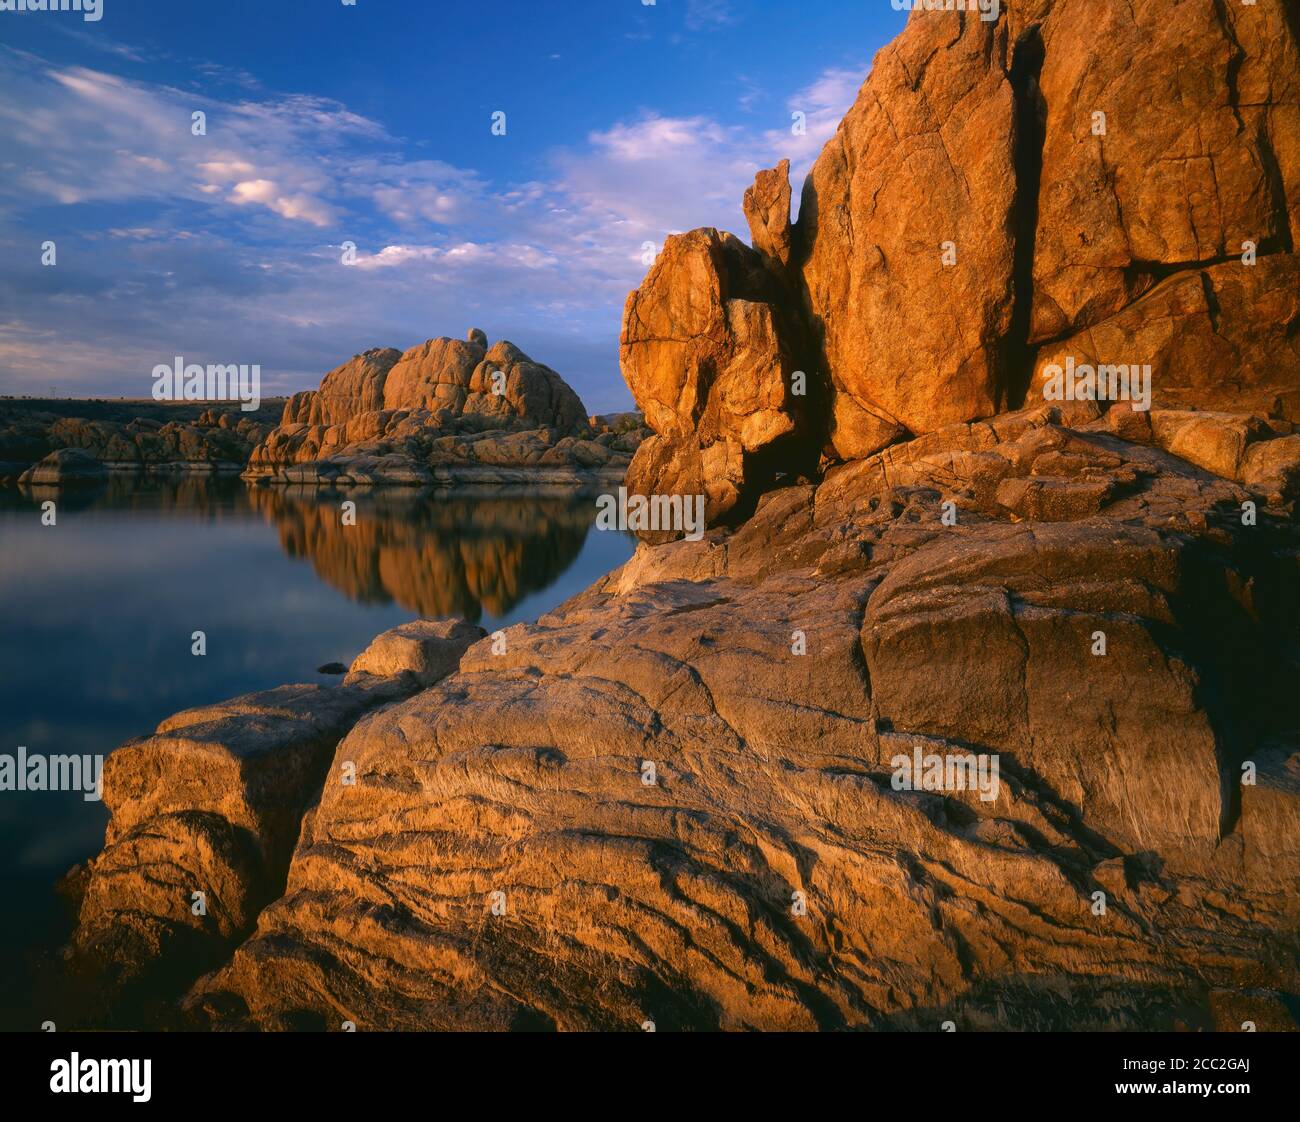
[[213, 440], [445, 411], [469, 378], [345, 392]]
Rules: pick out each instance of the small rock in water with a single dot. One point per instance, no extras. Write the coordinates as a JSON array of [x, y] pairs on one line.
[[332, 668]]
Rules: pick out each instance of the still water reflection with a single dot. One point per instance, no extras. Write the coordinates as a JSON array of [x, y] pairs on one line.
[[97, 613]]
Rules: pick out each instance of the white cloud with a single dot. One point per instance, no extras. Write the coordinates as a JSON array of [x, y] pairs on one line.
[[451, 262], [639, 180], [823, 103], [392, 256], [293, 207], [439, 247], [80, 135]]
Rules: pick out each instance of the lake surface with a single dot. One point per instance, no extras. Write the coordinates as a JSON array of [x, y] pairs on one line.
[[97, 614]]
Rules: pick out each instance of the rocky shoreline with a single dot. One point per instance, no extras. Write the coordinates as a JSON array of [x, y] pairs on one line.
[[82, 441], [350, 841]]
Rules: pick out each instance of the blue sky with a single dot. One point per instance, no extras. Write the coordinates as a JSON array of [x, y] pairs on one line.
[[329, 123]]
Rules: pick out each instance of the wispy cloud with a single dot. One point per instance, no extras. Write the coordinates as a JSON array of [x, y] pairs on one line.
[[823, 104], [227, 246], [80, 135], [704, 14]]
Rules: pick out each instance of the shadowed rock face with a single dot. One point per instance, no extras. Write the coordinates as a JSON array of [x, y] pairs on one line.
[[679, 901], [123, 435]]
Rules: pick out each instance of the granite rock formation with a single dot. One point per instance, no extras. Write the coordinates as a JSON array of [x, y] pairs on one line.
[[907, 239], [67, 467], [447, 411], [996, 202], [711, 353], [345, 392], [1167, 185]]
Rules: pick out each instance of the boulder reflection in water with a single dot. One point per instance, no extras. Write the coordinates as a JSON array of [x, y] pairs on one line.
[[437, 553]]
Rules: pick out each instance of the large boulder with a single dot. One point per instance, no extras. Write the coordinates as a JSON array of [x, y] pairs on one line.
[[703, 347], [1169, 199], [382, 418], [426, 649], [466, 376], [65, 467], [767, 210], [353, 388], [1182, 149], [711, 353], [908, 234], [508, 385], [1140, 215], [667, 466], [433, 375]]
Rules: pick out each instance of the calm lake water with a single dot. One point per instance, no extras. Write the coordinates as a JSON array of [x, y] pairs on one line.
[[97, 613]]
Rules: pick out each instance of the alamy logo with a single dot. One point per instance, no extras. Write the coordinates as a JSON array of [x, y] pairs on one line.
[[1103, 382], [53, 773], [120, 1077], [933, 772], [92, 11], [180, 382], [684, 514], [988, 9]]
